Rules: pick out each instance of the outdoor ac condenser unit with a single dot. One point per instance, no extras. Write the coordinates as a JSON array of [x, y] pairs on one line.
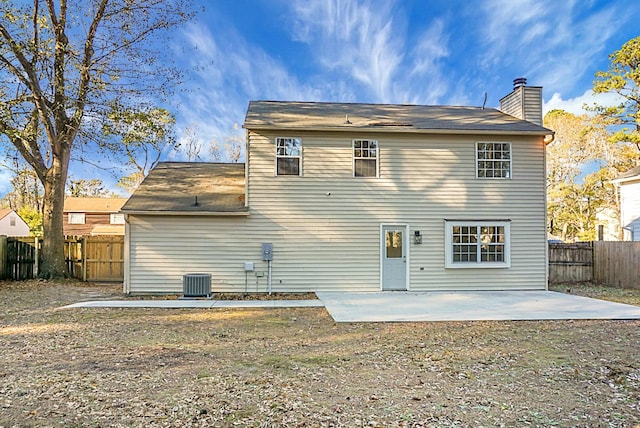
[[196, 285]]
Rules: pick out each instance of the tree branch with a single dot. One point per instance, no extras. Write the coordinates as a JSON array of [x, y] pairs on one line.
[[31, 79], [85, 68]]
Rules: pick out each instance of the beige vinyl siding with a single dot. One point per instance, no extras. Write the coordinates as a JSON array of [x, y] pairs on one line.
[[221, 245], [332, 242], [423, 180], [525, 102]]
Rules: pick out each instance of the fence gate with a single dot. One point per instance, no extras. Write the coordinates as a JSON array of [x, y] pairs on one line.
[[21, 258], [571, 262], [3, 256], [103, 258]]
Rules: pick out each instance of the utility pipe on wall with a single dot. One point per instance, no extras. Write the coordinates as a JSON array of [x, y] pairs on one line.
[[269, 277]]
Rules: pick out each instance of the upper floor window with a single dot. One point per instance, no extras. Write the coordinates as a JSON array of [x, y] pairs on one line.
[[493, 160], [477, 244], [117, 218], [12, 221], [76, 218], [288, 156], [365, 158]]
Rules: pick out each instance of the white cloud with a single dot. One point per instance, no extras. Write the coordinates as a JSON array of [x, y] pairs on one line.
[[5, 181], [369, 45], [576, 105], [554, 43], [228, 73], [359, 38], [426, 67]]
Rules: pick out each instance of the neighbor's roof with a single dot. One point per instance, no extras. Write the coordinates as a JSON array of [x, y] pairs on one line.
[[632, 174], [174, 188], [108, 229], [385, 118], [4, 213], [93, 205]]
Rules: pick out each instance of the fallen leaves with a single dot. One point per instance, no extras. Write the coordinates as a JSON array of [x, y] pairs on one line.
[[296, 367]]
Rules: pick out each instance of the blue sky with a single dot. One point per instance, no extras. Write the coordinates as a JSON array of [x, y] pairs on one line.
[[447, 52], [425, 52]]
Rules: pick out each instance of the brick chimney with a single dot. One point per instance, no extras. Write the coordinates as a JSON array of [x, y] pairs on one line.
[[524, 102]]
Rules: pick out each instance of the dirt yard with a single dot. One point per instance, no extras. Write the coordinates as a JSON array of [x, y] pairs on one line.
[[297, 368]]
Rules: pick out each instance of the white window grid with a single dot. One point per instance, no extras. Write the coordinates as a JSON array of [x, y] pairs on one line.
[[365, 150], [117, 218], [493, 160], [76, 218], [477, 244], [289, 149]]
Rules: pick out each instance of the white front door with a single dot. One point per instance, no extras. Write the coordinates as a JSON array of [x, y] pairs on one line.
[[394, 257]]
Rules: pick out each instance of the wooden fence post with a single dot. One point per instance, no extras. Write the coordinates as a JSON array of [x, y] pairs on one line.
[[84, 258], [36, 262], [3, 256]]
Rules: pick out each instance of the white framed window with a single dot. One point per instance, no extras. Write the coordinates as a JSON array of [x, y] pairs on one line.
[[76, 218], [365, 158], [12, 221], [117, 218], [288, 156], [477, 244], [493, 160]]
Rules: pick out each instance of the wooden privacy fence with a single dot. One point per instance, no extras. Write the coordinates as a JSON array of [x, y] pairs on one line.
[[617, 263], [20, 257], [607, 262], [3, 255], [89, 258], [571, 262]]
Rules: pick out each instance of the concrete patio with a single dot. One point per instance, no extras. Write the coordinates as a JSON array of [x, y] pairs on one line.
[[470, 306]]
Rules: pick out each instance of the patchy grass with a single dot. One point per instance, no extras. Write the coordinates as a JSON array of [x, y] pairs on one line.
[[296, 367], [603, 292]]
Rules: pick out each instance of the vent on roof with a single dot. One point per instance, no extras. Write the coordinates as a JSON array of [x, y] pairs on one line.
[[519, 81], [390, 124]]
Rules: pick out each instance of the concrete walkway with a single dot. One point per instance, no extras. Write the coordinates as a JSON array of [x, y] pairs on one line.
[[181, 304], [470, 306], [398, 306]]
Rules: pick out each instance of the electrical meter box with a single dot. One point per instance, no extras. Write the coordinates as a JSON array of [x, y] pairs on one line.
[[267, 252]]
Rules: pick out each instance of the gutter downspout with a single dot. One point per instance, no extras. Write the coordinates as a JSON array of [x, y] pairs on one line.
[[126, 286]]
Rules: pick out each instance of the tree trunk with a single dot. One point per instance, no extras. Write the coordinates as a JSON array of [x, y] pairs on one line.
[[53, 263]]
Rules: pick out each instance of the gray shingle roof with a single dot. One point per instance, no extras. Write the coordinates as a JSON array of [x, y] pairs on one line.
[[384, 117], [632, 173], [172, 187]]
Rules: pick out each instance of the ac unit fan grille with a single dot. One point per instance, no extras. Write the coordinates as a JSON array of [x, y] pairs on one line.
[[196, 285]]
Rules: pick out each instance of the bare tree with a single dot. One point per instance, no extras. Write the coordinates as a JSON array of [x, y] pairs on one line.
[[190, 143], [62, 65]]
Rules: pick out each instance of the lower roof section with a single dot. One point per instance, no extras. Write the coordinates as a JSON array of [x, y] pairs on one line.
[[190, 188]]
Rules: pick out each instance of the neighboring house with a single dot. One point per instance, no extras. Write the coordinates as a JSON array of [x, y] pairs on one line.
[[629, 184], [607, 225], [93, 216], [354, 197], [11, 224]]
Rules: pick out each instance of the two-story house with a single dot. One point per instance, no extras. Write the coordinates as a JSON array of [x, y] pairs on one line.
[[89, 216], [354, 197]]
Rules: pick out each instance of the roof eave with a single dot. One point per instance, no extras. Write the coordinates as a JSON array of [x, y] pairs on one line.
[[540, 132], [187, 213], [626, 179]]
